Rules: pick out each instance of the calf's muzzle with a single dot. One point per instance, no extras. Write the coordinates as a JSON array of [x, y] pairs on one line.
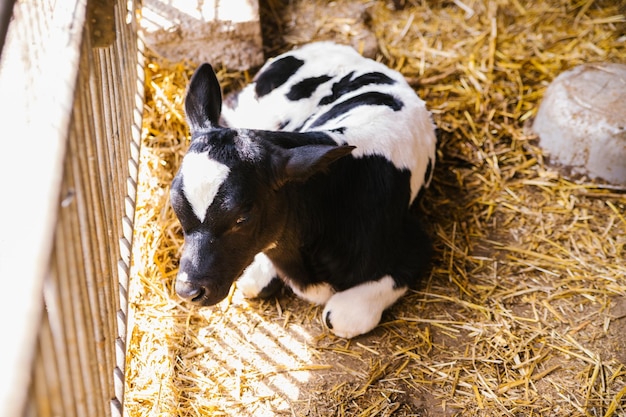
[[188, 290]]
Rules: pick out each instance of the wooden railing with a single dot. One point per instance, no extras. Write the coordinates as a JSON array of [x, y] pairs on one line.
[[71, 97]]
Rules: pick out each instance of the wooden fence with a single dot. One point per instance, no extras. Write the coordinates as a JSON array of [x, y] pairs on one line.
[[71, 97]]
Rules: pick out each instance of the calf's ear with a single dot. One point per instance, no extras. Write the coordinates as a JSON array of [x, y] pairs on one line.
[[300, 163], [203, 102]]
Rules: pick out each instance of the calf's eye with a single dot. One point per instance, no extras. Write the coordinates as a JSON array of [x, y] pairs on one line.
[[241, 220], [239, 223]]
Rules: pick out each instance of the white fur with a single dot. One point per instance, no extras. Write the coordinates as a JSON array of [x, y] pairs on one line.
[[359, 309], [256, 276], [406, 137], [182, 276], [202, 178], [317, 294], [259, 274]]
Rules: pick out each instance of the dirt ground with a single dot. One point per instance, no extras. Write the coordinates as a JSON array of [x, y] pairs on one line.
[[523, 312]]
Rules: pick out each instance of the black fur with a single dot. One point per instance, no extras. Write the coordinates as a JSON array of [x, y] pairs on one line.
[[277, 74]]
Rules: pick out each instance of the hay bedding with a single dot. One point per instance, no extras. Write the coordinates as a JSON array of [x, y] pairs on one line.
[[524, 311]]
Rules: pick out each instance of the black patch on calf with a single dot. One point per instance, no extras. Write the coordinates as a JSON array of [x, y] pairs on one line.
[[220, 143], [290, 140], [186, 217], [329, 324], [353, 225], [271, 289], [346, 85], [306, 87], [372, 98], [277, 74], [429, 171], [283, 124]]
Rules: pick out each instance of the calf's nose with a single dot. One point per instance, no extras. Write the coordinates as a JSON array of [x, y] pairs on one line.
[[186, 289]]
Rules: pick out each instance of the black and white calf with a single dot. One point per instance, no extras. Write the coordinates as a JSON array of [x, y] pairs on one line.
[[311, 185]]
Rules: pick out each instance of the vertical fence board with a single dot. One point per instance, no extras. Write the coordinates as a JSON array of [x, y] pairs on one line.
[[38, 69], [73, 98]]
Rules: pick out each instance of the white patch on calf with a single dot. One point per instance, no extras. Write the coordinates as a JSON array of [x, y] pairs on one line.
[[182, 276], [202, 178], [407, 141], [358, 310], [405, 137], [256, 277], [317, 294]]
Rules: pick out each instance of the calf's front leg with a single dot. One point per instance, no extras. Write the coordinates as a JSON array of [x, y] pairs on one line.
[[259, 279], [359, 309]]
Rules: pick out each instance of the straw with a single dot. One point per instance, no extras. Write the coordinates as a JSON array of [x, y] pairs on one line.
[[522, 312]]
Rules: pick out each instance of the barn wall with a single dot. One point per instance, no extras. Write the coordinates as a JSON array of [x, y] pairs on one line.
[[71, 75]]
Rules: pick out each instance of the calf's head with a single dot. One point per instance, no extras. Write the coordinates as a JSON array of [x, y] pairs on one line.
[[229, 191]]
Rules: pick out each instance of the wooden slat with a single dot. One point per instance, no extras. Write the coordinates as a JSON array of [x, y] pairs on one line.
[[70, 172], [101, 15], [37, 80]]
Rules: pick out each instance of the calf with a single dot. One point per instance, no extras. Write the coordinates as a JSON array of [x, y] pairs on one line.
[[310, 185]]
